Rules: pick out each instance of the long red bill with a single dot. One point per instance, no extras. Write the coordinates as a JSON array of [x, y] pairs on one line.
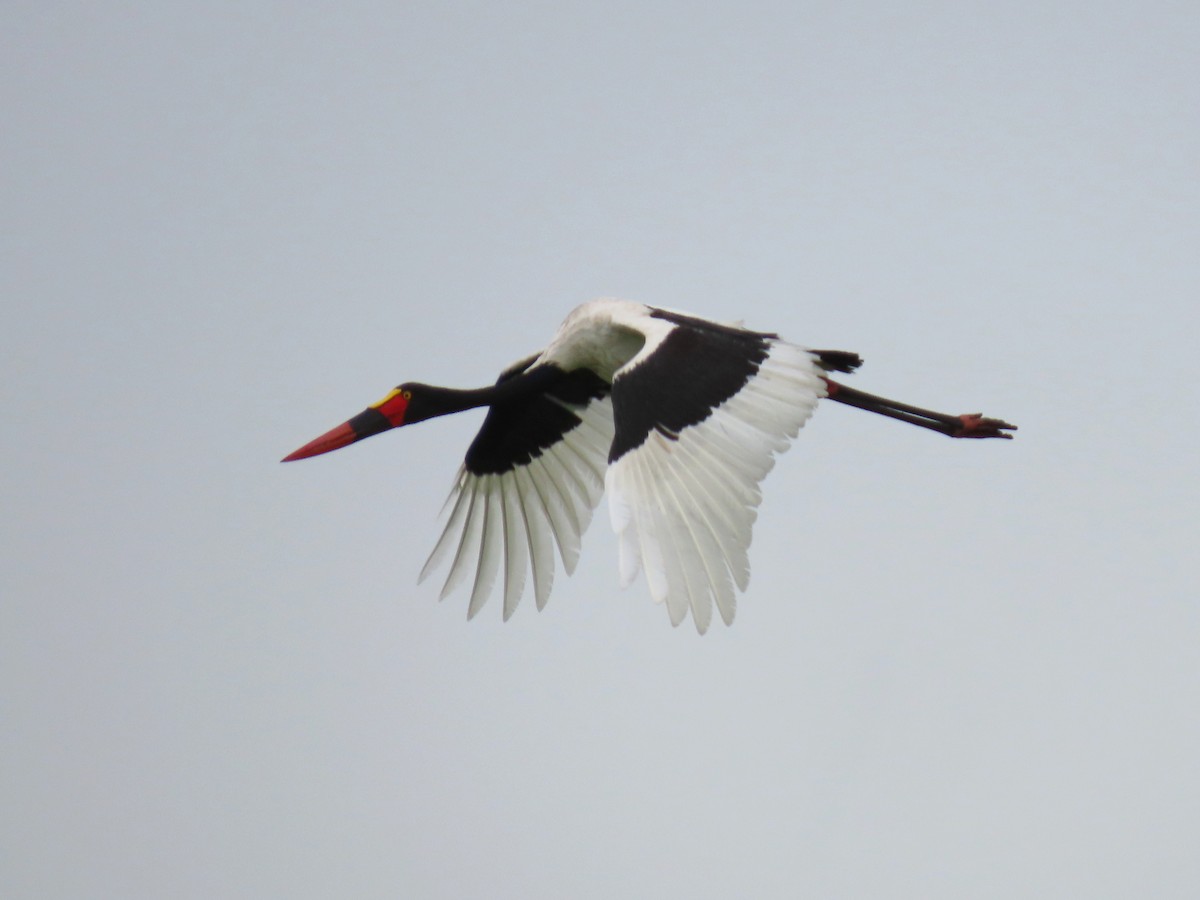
[[368, 422]]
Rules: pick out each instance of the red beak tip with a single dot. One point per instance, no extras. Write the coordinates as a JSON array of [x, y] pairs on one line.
[[331, 440], [314, 449]]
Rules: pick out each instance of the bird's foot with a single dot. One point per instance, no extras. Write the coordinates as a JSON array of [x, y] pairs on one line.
[[974, 425]]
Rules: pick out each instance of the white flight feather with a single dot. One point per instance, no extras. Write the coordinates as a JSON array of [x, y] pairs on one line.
[[537, 528], [692, 547], [489, 548], [472, 527], [516, 546], [710, 525]]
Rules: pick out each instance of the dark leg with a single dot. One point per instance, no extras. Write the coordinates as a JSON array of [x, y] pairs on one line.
[[968, 425]]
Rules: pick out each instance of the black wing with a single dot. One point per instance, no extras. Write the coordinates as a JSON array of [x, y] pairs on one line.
[[696, 368], [519, 430], [698, 422], [531, 479]]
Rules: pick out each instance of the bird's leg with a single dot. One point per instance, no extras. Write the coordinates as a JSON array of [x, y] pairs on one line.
[[967, 425]]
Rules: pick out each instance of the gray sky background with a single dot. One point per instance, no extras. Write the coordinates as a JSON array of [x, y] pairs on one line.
[[962, 669]]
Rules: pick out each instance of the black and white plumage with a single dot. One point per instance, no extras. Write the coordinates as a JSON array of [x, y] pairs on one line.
[[678, 418]]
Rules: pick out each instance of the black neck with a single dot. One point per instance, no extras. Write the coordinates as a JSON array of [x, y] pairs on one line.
[[430, 400]]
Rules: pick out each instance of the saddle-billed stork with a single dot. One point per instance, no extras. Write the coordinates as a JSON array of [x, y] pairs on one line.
[[677, 417]]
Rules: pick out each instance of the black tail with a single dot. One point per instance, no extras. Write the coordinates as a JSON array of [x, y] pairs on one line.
[[838, 360]]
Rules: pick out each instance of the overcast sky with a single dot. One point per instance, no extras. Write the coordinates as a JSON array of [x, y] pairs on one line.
[[962, 669]]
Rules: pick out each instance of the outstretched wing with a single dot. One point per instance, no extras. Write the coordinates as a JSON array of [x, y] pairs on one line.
[[699, 416], [531, 478]]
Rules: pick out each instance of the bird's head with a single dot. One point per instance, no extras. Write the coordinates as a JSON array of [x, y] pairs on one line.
[[402, 406]]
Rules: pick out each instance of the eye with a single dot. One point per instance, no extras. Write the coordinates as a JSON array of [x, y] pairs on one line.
[[406, 394]]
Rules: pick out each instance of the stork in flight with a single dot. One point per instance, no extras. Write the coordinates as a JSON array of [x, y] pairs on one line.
[[677, 417]]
